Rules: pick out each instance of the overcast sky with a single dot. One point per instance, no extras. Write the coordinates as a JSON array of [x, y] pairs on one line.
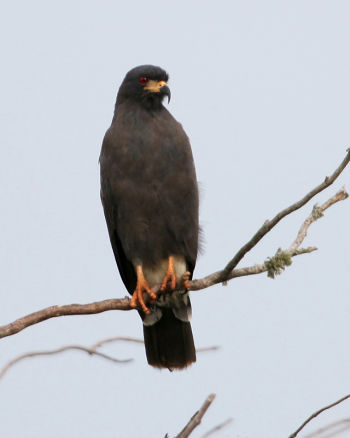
[[263, 91]]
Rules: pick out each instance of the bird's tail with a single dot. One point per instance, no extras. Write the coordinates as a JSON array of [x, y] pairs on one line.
[[169, 342]]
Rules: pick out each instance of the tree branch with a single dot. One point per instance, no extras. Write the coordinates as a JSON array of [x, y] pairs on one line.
[[317, 213], [274, 265], [196, 418], [117, 303], [215, 278], [117, 339], [268, 225], [90, 350], [315, 414], [217, 428], [66, 310], [141, 341], [292, 251], [332, 429]]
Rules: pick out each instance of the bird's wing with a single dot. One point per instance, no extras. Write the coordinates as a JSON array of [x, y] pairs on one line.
[[110, 208]]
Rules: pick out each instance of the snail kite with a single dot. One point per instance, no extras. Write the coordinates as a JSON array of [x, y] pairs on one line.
[[150, 198]]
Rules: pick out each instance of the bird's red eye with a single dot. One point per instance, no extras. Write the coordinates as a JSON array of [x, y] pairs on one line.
[[143, 80]]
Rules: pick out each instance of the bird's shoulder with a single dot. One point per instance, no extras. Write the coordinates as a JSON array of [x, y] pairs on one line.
[[134, 125]]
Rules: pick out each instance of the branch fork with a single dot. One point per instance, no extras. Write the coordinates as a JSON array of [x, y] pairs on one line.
[[273, 265]]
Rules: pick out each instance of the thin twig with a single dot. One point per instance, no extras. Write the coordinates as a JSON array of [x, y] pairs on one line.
[[317, 213], [332, 429], [117, 339], [210, 280], [141, 341], [206, 349], [217, 428], [90, 350], [268, 225], [315, 414], [196, 418]]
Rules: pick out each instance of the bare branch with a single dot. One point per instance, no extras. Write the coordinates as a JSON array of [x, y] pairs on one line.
[[141, 341], [196, 418], [217, 428], [121, 303], [206, 349], [292, 251], [215, 278], [117, 339], [315, 414], [268, 225], [273, 265], [332, 429], [67, 310], [90, 350], [317, 213]]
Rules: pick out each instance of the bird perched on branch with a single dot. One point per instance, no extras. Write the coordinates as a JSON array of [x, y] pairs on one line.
[[149, 194]]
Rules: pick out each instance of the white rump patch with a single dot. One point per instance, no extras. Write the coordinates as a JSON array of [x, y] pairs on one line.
[[155, 275]]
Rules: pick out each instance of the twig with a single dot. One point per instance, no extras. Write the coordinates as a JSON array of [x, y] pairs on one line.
[[317, 213], [196, 418], [315, 414], [117, 339], [90, 350], [268, 225], [141, 341], [273, 266], [332, 429], [206, 349], [217, 428]]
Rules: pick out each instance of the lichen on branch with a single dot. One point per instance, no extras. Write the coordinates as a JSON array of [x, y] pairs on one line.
[[276, 265]]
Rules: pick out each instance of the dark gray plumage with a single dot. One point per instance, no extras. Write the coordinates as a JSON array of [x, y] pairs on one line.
[[150, 198]]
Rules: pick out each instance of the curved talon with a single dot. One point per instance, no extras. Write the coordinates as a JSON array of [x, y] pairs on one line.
[[141, 287], [169, 276]]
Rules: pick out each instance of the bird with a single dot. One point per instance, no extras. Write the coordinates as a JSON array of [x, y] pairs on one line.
[[149, 193]]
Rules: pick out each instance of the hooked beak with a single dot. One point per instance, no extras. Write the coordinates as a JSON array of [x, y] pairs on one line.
[[158, 87], [165, 91]]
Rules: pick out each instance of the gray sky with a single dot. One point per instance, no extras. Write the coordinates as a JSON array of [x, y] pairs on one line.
[[263, 91]]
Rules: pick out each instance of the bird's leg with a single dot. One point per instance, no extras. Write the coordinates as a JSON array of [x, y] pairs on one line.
[[141, 287], [169, 275]]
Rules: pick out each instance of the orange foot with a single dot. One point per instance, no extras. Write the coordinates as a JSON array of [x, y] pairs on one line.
[[141, 287], [169, 275], [186, 279]]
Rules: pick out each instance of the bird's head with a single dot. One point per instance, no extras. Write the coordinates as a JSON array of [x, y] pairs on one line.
[[146, 84]]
